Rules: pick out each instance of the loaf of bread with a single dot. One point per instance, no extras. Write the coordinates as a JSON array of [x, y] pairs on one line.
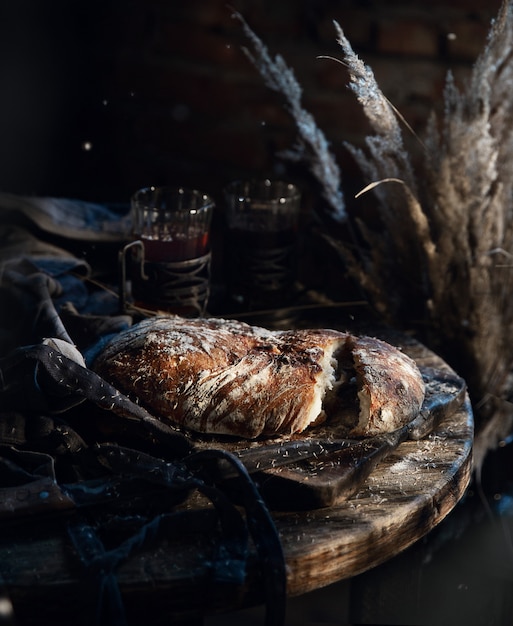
[[226, 377]]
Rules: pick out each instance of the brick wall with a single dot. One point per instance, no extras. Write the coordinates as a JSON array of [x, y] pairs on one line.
[[158, 91], [193, 109]]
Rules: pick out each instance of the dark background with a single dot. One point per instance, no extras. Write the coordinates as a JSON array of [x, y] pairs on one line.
[[161, 92]]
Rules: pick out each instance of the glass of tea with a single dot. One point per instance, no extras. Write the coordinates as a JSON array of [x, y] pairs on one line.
[[169, 259], [262, 218]]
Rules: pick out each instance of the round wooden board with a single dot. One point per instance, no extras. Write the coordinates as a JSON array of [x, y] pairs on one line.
[[405, 496]]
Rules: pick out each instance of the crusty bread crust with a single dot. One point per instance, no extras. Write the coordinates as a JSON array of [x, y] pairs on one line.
[[390, 387], [226, 377]]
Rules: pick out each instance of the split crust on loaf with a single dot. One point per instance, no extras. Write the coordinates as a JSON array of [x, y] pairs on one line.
[[225, 377]]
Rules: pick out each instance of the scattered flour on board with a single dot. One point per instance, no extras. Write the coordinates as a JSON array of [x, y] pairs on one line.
[[418, 459]]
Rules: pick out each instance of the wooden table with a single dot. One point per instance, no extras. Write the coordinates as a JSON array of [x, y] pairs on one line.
[[404, 497], [407, 494]]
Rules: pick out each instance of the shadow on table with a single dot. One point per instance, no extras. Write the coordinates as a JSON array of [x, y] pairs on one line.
[[460, 574]]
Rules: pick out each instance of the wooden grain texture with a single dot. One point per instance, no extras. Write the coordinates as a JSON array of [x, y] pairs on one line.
[[405, 496]]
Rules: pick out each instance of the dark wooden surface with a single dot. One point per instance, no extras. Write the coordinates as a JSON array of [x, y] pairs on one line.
[[409, 492]]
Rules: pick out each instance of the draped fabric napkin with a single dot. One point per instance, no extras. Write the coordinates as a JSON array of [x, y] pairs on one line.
[[58, 418]]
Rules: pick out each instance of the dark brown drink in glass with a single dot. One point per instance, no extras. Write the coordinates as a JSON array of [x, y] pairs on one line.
[[177, 249], [263, 267], [262, 219], [171, 271]]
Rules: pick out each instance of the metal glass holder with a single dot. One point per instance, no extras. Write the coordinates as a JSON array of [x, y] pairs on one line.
[[262, 278], [181, 287]]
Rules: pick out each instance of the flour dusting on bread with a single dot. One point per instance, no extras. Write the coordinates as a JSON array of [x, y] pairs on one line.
[[225, 377]]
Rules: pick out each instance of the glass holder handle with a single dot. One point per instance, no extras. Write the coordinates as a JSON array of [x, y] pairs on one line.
[[122, 270]]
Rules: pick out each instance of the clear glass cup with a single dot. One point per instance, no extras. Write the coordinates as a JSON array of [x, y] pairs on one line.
[[263, 219], [169, 259]]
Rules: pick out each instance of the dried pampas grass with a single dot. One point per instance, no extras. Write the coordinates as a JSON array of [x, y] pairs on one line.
[[439, 255], [312, 144]]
